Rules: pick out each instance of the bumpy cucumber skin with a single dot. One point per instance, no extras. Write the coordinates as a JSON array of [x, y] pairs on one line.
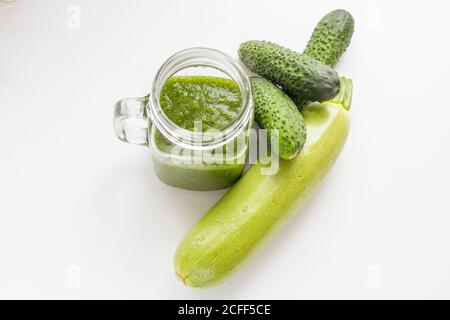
[[297, 74], [331, 37], [328, 42], [258, 206], [274, 110]]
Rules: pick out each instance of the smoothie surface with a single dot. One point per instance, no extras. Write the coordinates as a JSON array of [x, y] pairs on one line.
[[214, 101]]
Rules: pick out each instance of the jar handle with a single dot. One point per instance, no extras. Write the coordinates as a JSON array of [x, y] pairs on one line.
[[131, 121]]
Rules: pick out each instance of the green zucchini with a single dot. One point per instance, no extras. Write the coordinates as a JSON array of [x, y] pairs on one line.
[[331, 37], [274, 110], [256, 207], [297, 74]]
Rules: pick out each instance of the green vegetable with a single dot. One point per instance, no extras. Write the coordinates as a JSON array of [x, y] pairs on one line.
[[297, 74], [274, 110], [331, 37], [255, 208], [328, 42]]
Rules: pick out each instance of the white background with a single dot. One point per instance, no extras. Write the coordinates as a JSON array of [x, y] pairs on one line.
[[82, 214]]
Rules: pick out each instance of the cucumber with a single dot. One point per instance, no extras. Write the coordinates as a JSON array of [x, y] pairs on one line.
[[256, 208], [328, 42], [331, 37], [297, 74], [274, 110]]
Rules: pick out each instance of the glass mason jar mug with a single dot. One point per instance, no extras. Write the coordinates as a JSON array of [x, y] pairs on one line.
[[190, 159]]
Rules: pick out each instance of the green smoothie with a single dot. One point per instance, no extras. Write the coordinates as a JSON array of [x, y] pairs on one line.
[[214, 103]]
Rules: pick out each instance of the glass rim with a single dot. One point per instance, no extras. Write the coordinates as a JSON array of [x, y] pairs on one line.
[[205, 57]]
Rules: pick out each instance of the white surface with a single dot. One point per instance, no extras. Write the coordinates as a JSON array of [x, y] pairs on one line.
[[82, 214]]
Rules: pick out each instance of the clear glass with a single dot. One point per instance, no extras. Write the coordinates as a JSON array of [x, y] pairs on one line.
[[182, 158]]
